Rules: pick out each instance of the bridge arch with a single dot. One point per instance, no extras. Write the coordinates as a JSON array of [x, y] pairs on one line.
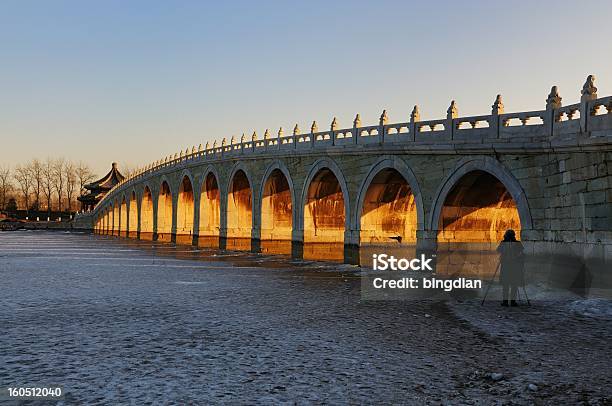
[[103, 221], [209, 208], [108, 229], [98, 227], [500, 191], [185, 208], [116, 216], [165, 212], [325, 207], [389, 202], [146, 213], [123, 224], [108, 221], [133, 215], [239, 207], [278, 214]]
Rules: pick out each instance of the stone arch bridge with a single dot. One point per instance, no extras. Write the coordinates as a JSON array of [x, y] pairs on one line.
[[451, 182]]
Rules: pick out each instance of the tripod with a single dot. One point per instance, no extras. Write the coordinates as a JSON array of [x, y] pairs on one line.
[[490, 283], [517, 291], [525, 293]]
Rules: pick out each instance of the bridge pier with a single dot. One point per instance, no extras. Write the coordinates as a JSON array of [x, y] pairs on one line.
[[297, 249], [255, 245], [351, 254], [427, 241], [222, 242]]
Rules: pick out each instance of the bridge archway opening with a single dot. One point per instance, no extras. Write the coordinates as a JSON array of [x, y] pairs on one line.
[[239, 212], [146, 215], [109, 221], [389, 214], [476, 213], [123, 217], [164, 213], [104, 228], [185, 212], [116, 216], [105, 222], [276, 213], [133, 217], [324, 217], [210, 212], [479, 208]]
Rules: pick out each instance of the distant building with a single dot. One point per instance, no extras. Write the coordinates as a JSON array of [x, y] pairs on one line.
[[97, 189]]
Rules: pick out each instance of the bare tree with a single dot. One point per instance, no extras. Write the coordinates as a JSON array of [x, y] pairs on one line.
[[49, 180], [59, 180], [36, 171], [47, 172], [23, 178], [5, 185], [84, 175], [71, 182]]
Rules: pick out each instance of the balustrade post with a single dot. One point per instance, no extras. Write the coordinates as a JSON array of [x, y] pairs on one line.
[[383, 120], [589, 93], [332, 131], [415, 117], [553, 102], [355, 130], [451, 114], [296, 136], [313, 129], [496, 109], [267, 139]]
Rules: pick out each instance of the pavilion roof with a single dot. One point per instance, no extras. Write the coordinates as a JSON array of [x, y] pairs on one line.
[[108, 181]]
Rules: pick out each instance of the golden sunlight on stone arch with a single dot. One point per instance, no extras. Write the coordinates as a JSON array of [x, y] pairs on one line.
[[210, 212], [146, 215], [164, 213], [116, 216], [389, 212], [104, 228], [276, 214], [185, 212], [123, 224], [478, 209], [133, 217], [324, 214], [239, 212], [108, 221]]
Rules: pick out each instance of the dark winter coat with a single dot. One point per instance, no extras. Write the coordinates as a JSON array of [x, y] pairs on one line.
[[512, 262]]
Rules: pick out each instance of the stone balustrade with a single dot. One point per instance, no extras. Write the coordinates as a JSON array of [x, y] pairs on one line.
[[544, 129]]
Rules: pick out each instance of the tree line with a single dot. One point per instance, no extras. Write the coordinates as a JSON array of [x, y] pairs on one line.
[[51, 185]]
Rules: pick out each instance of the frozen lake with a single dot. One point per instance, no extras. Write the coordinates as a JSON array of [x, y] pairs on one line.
[[120, 321]]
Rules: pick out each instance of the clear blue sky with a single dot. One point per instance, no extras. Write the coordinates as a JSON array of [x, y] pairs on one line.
[[133, 81]]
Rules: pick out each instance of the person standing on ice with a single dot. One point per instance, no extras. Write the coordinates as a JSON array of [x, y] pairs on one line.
[[511, 273]]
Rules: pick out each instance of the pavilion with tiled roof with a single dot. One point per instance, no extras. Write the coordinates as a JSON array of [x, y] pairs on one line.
[[97, 189]]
